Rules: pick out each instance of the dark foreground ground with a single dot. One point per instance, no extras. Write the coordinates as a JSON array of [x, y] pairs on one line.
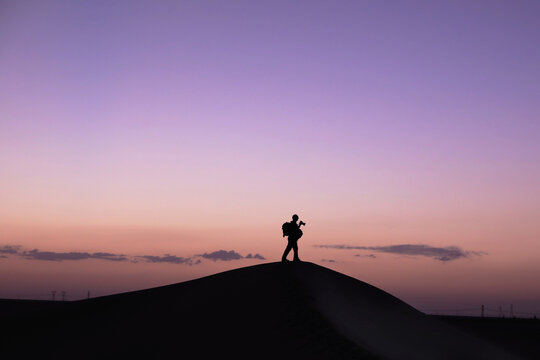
[[261, 313], [519, 336], [268, 311]]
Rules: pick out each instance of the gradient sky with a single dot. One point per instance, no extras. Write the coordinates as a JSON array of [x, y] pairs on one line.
[[145, 128]]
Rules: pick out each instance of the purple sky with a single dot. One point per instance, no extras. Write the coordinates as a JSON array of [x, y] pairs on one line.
[[380, 123]]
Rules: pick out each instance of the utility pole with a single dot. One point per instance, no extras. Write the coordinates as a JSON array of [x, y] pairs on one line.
[[511, 310], [63, 296], [88, 297], [482, 313], [53, 294]]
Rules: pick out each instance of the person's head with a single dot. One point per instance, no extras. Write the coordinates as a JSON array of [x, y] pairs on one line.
[[295, 218]]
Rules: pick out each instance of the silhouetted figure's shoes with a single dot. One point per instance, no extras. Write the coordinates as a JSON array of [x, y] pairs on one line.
[[297, 260], [284, 261]]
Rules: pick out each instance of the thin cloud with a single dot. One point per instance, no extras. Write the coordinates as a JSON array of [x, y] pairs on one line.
[[229, 255], [328, 260], [167, 258], [222, 255], [214, 256], [256, 256], [367, 256], [9, 249], [61, 256], [443, 254], [108, 256]]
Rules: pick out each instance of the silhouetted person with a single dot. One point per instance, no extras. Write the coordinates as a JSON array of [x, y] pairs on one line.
[[292, 230]]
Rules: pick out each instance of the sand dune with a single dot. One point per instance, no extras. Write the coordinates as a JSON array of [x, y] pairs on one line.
[[385, 325], [295, 310]]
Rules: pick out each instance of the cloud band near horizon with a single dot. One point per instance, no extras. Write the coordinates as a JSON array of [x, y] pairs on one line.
[[36, 254], [443, 254]]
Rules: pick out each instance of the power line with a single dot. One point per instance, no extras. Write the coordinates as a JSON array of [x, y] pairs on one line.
[[483, 311]]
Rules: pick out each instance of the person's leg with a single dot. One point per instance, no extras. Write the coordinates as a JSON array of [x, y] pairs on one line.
[[287, 250], [295, 249]]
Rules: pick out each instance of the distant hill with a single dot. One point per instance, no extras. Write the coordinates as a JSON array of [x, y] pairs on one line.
[[268, 311]]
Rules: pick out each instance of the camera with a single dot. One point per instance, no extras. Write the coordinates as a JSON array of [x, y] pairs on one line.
[[302, 223]]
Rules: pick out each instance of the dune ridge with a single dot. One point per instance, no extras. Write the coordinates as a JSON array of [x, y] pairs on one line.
[[266, 311]]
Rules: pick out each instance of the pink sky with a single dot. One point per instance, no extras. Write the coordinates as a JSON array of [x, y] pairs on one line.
[[138, 128]]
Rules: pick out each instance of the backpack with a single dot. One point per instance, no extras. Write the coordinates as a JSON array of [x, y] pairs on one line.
[[286, 227]]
